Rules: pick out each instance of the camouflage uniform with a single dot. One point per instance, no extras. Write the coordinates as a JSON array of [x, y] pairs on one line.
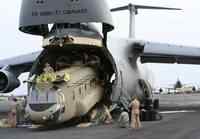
[[12, 116], [101, 115]]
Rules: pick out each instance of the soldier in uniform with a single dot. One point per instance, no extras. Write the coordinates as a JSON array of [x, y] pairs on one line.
[[48, 74], [12, 115], [48, 68], [123, 120], [101, 115], [135, 113]]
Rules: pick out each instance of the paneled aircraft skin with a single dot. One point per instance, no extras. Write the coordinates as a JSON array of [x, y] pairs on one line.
[[87, 67]]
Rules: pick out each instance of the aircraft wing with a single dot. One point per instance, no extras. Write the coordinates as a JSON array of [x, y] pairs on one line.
[[167, 53], [22, 63]]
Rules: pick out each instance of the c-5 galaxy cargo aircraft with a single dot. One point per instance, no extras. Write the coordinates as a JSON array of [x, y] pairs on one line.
[[79, 65]]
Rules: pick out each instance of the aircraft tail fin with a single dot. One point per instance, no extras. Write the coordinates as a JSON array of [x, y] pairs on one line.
[[136, 7], [133, 9]]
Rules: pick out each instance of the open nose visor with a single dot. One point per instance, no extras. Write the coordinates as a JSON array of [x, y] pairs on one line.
[[35, 15]]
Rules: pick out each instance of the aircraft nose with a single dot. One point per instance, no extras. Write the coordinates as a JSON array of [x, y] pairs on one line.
[[40, 107], [43, 112]]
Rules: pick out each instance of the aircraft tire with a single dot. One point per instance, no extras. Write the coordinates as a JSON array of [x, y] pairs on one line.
[[153, 115], [150, 115], [156, 104], [145, 116], [148, 102]]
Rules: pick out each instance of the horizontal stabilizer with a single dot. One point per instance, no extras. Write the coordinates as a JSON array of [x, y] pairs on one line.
[[136, 7], [119, 9]]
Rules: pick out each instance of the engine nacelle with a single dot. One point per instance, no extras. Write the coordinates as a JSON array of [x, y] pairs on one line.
[[8, 81]]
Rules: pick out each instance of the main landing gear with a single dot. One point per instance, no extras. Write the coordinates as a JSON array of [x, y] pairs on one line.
[[150, 110]]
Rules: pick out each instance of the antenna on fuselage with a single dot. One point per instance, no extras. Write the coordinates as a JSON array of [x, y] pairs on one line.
[[133, 9]]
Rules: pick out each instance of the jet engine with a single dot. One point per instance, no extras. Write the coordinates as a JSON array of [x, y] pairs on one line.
[[8, 81]]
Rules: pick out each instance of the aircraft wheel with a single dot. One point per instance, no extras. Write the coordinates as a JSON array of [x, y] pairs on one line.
[[148, 104], [144, 116], [148, 101], [150, 115], [156, 104]]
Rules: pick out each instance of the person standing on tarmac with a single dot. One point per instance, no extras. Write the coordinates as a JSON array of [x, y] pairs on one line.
[[12, 117], [135, 113]]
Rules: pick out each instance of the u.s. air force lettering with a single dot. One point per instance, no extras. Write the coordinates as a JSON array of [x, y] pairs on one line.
[[72, 11], [60, 12], [40, 1], [74, 0]]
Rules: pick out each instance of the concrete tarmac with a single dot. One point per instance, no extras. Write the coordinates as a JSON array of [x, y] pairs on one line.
[[178, 101], [173, 126], [184, 125]]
